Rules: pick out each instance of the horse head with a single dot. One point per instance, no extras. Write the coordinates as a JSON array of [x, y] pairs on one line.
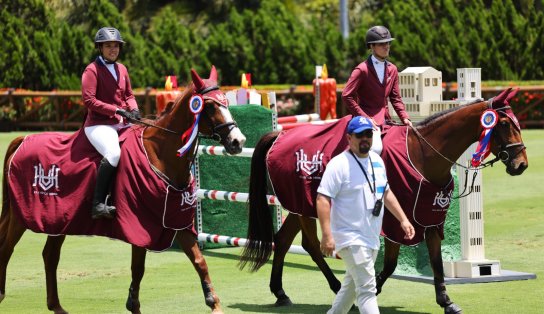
[[217, 121], [506, 142]]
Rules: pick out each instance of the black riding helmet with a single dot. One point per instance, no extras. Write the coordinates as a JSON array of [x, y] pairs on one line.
[[378, 34], [108, 34]]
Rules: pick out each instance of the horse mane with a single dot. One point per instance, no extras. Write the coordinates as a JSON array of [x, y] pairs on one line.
[[437, 115]]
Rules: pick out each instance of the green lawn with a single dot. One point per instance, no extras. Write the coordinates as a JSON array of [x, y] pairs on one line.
[[94, 273]]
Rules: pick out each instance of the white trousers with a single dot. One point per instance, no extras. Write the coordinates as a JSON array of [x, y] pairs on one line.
[[105, 140], [377, 145], [359, 283]]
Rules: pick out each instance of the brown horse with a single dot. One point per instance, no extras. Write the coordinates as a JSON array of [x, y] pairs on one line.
[[433, 146], [160, 144]]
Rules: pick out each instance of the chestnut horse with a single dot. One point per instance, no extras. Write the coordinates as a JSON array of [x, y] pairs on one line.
[[160, 144], [433, 146]]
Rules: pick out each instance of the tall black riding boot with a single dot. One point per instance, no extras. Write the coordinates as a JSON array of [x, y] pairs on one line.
[[103, 178]]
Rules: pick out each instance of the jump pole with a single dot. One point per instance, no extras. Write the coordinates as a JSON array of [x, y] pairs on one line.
[[240, 242]]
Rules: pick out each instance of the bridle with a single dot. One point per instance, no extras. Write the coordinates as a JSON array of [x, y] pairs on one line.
[[503, 154], [215, 130]]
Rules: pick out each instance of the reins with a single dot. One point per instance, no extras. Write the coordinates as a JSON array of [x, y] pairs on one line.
[[154, 126], [215, 131], [503, 154]]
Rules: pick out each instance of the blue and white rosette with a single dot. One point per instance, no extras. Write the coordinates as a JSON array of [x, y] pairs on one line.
[[488, 120], [196, 104]]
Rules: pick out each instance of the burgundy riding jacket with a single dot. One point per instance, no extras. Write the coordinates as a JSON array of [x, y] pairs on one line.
[[103, 95], [364, 95]]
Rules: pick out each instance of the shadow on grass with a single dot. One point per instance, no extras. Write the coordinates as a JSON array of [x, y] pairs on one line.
[[310, 309], [270, 308], [286, 264]]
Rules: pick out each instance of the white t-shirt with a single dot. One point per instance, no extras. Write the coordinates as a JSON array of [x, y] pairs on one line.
[[352, 222]]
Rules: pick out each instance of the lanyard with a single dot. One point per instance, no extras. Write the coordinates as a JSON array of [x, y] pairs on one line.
[[372, 189]]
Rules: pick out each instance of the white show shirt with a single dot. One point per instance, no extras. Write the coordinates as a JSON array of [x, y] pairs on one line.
[[111, 67], [352, 222], [379, 66]]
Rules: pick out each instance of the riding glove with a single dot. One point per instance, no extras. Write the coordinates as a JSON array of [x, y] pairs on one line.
[[125, 114], [136, 114]]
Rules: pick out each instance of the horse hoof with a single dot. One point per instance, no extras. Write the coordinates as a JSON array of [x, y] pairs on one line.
[[285, 301], [132, 305], [2, 296], [210, 300], [452, 309]]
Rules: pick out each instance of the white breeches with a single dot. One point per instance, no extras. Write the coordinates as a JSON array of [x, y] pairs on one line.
[[377, 145], [105, 140]]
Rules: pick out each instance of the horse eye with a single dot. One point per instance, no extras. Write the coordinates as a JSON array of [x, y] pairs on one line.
[[210, 108]]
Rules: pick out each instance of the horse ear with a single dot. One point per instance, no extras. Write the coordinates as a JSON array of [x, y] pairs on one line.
[[213, 74], [502, 96], [197, 81], [512, 94]]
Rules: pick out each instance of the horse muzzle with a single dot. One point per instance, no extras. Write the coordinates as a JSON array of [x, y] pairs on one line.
[[515, 162], [234, 142]]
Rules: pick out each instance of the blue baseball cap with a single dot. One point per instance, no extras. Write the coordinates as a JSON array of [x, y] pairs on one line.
[[358, 124]]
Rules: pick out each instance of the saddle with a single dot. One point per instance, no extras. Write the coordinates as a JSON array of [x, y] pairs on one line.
[[52, 175]]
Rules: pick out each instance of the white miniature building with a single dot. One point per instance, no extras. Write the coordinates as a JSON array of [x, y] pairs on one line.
[[421, 84], [420, 88], [469, 84]]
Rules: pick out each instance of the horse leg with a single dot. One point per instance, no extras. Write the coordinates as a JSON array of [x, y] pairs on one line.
[[11, 232], [390, 257], [137, 267], [433, 240], [310, 243], [282, 242], [188, 243], [51, 257]]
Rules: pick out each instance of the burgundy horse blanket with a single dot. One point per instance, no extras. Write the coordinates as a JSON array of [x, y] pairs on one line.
[[298, 158], [52, 178], [425, 204]]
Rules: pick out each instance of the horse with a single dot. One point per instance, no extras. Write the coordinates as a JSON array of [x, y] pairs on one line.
[[432, 146], [159, 140]]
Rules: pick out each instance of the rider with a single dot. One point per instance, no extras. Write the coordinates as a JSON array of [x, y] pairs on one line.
[[107, 94], [372, 83]]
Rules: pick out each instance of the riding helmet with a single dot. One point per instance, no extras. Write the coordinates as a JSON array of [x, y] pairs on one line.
[[378, 34], [108, 34]]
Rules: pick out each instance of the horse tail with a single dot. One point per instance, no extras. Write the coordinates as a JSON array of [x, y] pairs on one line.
[[260, 233], [5, 196]]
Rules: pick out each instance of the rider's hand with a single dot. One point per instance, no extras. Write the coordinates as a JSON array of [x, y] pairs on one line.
[[407, 122], [136, 114], [125, 114]]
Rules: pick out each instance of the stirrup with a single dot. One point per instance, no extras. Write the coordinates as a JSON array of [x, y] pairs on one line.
[[102, 210]]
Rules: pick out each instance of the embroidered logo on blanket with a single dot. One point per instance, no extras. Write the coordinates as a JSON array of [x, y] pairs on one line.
[[442, 200], [46, 182], [188, 199], [308, 167]]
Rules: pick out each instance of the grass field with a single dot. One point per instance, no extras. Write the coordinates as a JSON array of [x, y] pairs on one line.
[[94, 273]]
